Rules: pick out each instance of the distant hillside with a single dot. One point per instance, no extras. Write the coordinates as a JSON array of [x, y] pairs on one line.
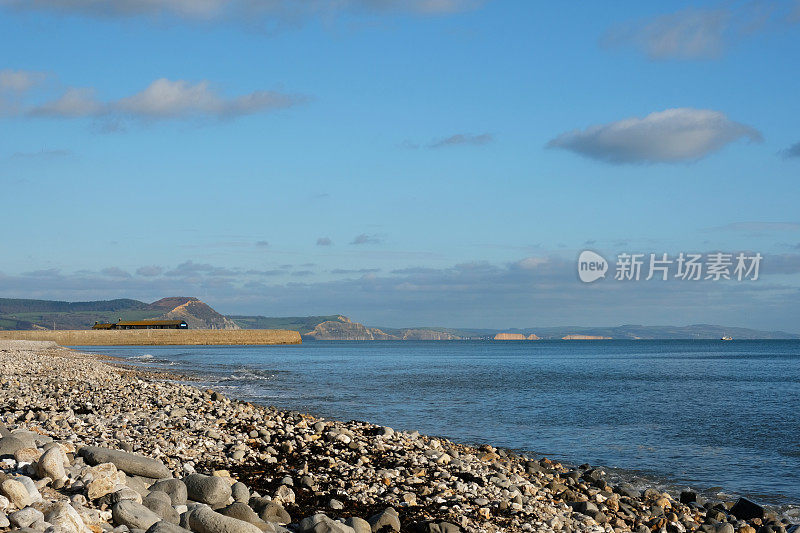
[[695, 331], [19, 314], [340, 328], [22, 314], [11, 305], [197, 315], [303, 324]]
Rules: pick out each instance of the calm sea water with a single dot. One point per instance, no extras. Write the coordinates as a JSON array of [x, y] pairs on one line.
[[710, 415]]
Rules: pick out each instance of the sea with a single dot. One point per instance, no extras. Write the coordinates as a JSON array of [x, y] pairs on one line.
[[721, 418]]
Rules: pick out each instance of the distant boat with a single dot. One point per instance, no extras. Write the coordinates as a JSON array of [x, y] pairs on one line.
[[726, 338]]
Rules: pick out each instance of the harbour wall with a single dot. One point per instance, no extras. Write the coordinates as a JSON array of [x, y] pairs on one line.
[[142, 337]]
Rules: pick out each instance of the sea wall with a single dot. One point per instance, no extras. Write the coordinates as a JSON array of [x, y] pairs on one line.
[[138, 337]]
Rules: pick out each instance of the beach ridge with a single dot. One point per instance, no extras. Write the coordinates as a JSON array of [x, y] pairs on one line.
[[90, 446]]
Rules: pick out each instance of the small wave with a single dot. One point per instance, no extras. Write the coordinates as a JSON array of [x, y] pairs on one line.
[[250, 375]]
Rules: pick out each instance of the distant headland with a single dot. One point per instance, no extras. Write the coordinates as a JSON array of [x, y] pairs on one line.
[[25, 314]]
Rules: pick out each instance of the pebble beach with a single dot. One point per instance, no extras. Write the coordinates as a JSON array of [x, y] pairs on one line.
[[87, 445]]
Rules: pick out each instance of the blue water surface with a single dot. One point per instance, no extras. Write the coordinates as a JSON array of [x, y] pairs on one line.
[[711, 415]]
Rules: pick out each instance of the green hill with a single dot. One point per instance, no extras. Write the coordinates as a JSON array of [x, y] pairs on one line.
[[303, 324], [19, 314]]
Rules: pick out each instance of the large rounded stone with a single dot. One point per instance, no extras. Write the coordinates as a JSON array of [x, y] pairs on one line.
[[240, 492], [127, 462], [175, 488], [166, 527], [275, 513], [387, 517], [320, 523], [134, 515], [25, 517], [242, 511], [207, 489], [204, 520], [359, 525], [10, 445], [16, 492], [51, 464], [64, 516], [161, 504]]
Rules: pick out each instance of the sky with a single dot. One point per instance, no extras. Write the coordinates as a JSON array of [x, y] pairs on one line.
[[405, 163]]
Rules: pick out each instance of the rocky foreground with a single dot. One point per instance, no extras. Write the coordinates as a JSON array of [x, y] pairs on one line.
[[88, 446]]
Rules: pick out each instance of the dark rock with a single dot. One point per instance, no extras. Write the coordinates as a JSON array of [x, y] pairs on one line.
[[587, 508], [600, 517], [387, 518], [10, 445], [626, 489], [595, 474], [166, 527], [651, 494], [275, 513], [744, 509], [532, 467], [688, 496]]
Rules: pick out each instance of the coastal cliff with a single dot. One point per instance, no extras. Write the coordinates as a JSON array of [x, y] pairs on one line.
[[197, 315], [344, 329], [515, 337]]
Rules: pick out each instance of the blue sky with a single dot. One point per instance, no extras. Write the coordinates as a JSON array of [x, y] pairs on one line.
[[399, 161]]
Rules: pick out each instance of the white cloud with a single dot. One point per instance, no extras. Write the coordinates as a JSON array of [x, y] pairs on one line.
[[793, 150], [366, 239], [75, 102], [171, 99], [669, 136], [163, 99], [476, 294], [149, 270], [688, 34], [462, 139], [702, 33], [530, 263], [20, 80], [42, 154]]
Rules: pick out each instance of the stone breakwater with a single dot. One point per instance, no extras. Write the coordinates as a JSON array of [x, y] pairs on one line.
[[86, 446], [157, 337]]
